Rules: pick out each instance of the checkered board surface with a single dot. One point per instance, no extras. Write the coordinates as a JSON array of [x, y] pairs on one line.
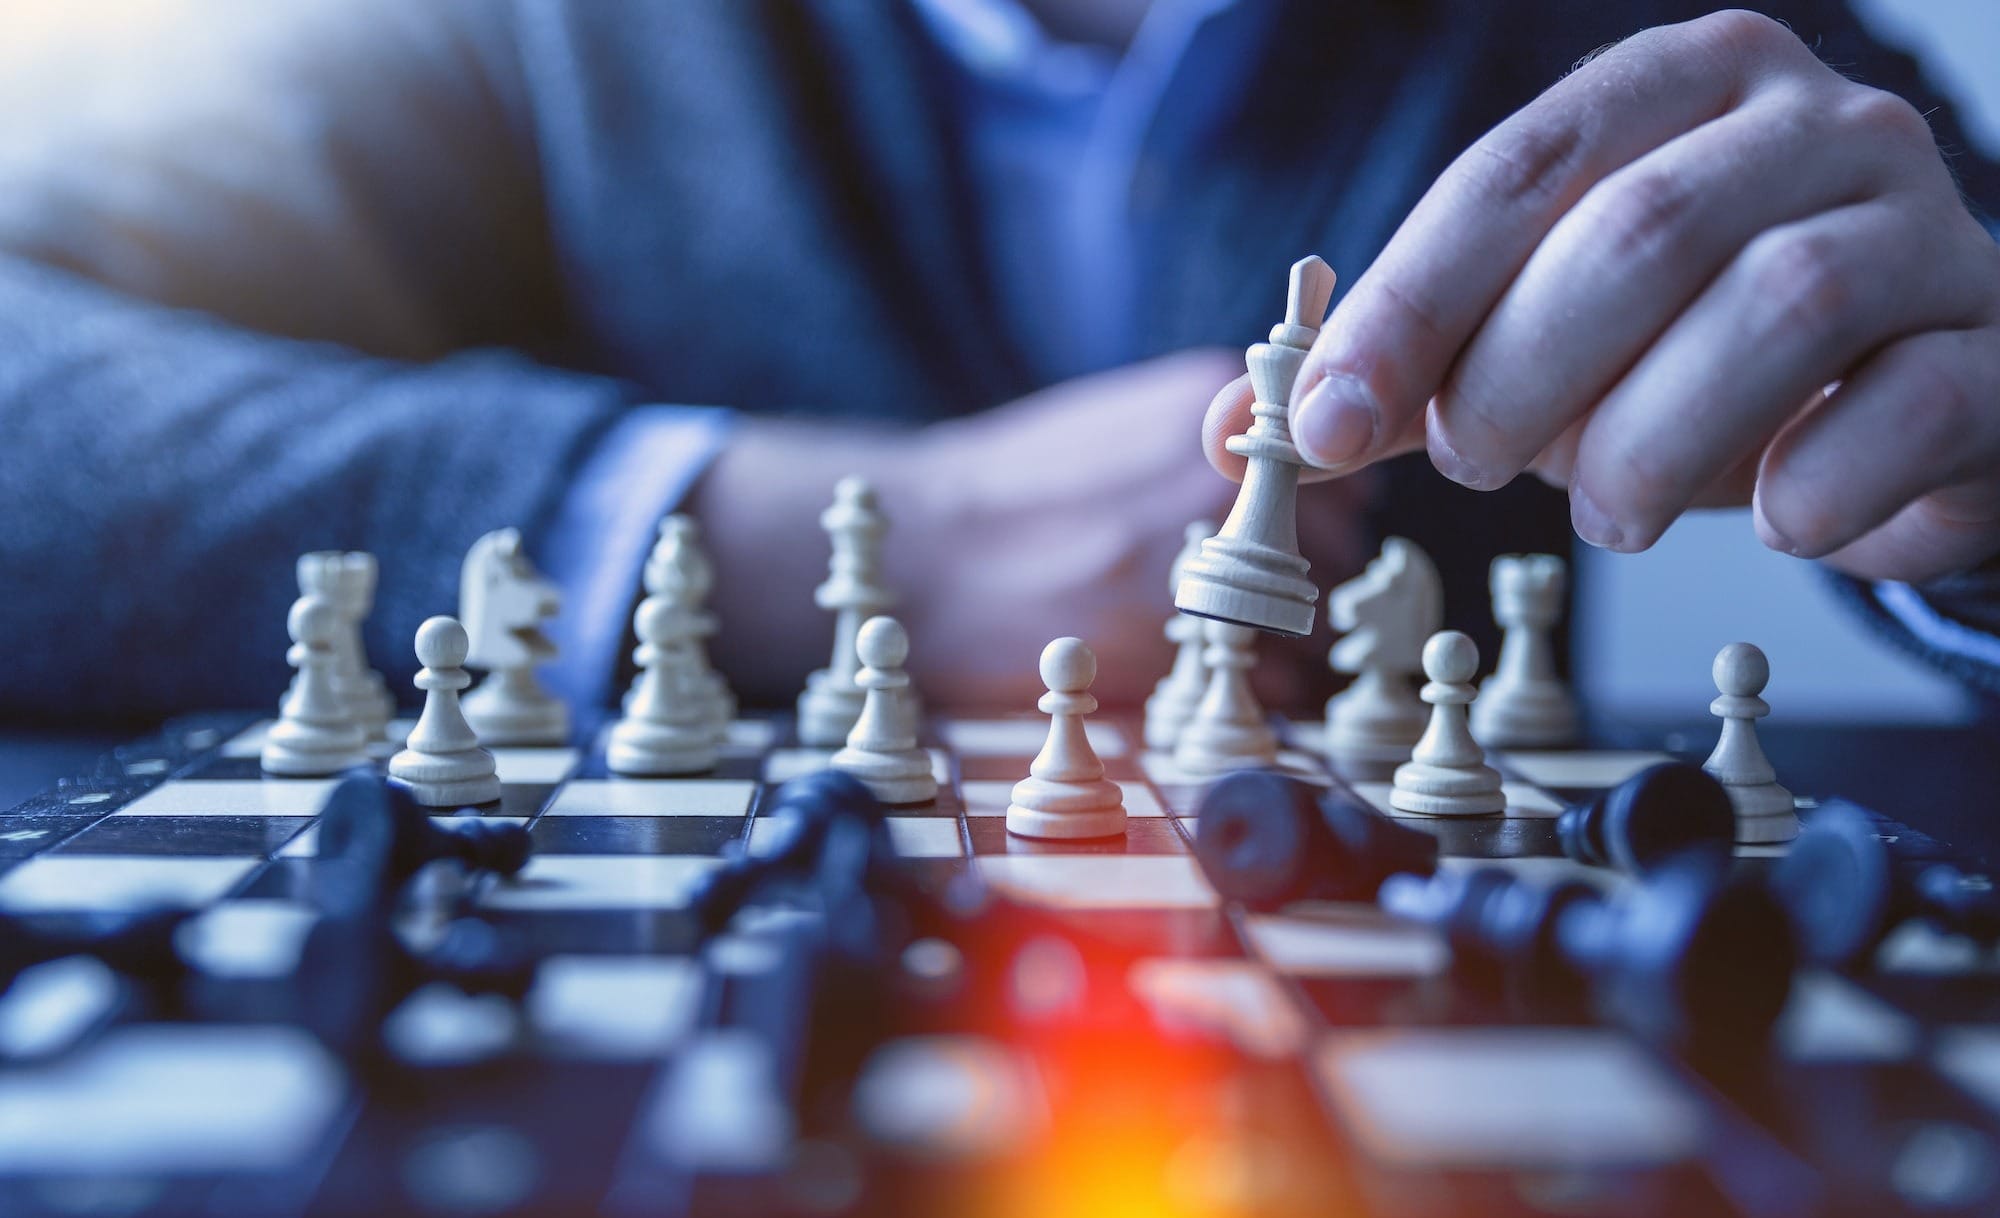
[[1381, 1087]]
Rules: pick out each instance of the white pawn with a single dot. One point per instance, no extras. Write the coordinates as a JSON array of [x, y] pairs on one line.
[[345, 579], [1066, 794], [669, 725], [680, 543], [854, 590], [442, 764], [1447, 774], [1173, 700], [314, 734], [1524, 705], [1764, 810], [882, 749], [1228, 730]]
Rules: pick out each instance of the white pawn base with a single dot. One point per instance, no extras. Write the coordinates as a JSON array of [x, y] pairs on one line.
[[827, 711], [1430, 790], [1272, 611], [1219, 750], [515, 717], [1531, 715], [1066, 810], [292, 751], [659, 750], [895, 778], [1765, 814], [1373, 733], [446, 780]]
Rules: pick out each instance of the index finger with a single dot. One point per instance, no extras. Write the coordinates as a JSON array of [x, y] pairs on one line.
[[1392, 340]]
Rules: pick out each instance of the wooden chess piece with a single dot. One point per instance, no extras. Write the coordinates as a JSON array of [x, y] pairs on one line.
[[1447, 774], [1066, 794], [1764, 810]]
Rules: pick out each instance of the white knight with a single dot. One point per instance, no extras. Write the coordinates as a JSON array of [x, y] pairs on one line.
[[1388, 612], [503, 601]]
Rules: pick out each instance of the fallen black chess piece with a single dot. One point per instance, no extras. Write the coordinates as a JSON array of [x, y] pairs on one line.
[[1660, 813], [366, 816], [1688, 957], [1265, 840], [1845, 894]]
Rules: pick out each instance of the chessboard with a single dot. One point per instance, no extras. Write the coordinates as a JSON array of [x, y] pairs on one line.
[[1317, 1059]]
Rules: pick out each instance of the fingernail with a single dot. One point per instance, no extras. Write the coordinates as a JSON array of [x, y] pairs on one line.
[[1334, 423], [1450, 464], [1591, 522]]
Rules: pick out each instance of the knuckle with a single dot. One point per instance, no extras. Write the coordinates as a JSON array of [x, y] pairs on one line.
[[1880, 113], [1525, 163], [1743, 34], [1642, 215], [1939, 411], [1805, 283]]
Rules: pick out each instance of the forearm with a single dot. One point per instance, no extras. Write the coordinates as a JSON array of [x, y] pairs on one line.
[[160, 470]]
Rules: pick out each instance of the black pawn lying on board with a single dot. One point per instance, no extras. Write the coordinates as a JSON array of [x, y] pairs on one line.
[[138, 947], [1687, 958], [803, 814], [1658, 813], [1845, 894], [367, 815], [1264, 840]]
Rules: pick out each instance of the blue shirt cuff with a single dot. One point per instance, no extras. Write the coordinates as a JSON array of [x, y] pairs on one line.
[[596, 546]]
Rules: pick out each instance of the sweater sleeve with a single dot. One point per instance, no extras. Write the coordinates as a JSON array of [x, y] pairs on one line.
[[267, 274]]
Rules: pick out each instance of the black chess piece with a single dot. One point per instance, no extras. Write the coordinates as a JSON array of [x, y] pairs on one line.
[[1649, 818], [804, 812], [138, 947], [1844, 894], [1688, 957], [1264, 839], [401, 836]]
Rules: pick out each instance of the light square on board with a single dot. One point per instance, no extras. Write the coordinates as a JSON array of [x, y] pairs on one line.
[[1100, 881], [601, 881], [62, 883], [541, 767], [1828, 1018], [1508, 1099], [615, 1006], [182, 1099], [234, 797], [912, 837], [1579, 768], [1238, 1001], [783, 765], [1292, 763], [991, 799], [1022, 737], [1346, 941], [1523, 801], [654, 797], [247, 938], [250, 741]]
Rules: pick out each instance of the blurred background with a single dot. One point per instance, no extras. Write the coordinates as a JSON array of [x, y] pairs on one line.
[[1635, 661]]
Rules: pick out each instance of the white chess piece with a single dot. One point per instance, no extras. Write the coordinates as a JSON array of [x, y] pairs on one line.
[[882, 749], [1251, 571], [346, 580], [679, 545], [1765, 811], [1066, 794], [1388, 612], [669, 724], [1524, 705], [503, 602], [1173, 700], [1447, 774], [442, 764], [1228, 730], [854, 591], [314, 734]]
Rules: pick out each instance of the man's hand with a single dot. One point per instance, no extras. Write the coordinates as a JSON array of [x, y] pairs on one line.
[[1056, 514], [1641, 285]]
